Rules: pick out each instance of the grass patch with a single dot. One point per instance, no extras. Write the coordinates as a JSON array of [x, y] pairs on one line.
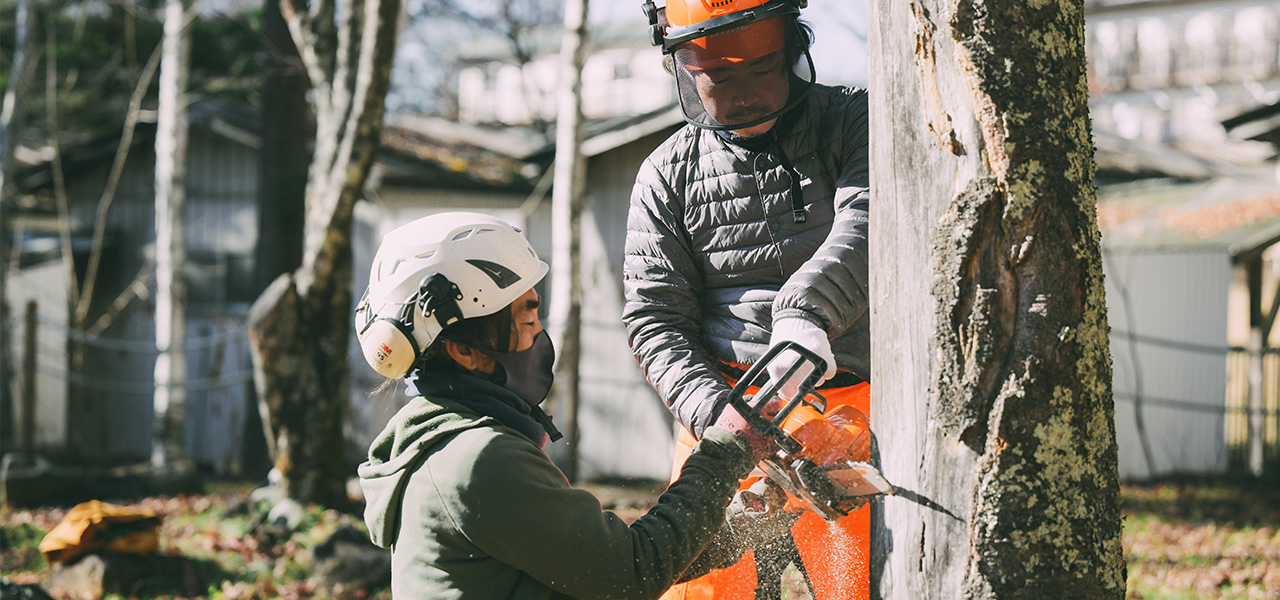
[[19, 544], [1183, 540], [1215, 540]]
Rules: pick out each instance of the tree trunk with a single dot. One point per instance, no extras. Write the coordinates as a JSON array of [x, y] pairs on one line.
[[167, 444], [300, 327], [1258, 333], [286, 129], [566, 211], [287, 126], [995, 418], [10, 122]]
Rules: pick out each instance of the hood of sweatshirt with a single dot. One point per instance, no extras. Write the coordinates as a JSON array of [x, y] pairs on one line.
[[448, 404], [395, 454]]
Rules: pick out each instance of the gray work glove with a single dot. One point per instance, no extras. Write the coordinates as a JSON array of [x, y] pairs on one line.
[[756, 515]]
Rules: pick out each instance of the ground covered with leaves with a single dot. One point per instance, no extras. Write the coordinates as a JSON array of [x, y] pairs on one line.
[[1186, 540], [226, 549], [1182, 540]]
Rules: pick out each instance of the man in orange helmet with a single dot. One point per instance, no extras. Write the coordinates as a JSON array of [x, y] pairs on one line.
[[748, 228]]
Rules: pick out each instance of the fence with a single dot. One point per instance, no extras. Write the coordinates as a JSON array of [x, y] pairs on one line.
[[1237, 408], [219, 380], [1233, 407], [102, 411]]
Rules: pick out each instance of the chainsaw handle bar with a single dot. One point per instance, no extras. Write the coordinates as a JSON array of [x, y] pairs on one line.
[[752, 411]]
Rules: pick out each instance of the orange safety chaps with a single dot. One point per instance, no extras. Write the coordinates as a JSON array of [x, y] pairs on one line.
[[835, 557]]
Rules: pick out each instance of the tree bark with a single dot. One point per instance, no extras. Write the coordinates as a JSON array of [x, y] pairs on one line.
[[566, 213], [167, 444], [286, 128], [300, 327], [994, 418], [10, 123]]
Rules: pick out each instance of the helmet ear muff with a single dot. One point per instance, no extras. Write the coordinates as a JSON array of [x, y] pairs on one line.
[[658, 24], [389, 348]]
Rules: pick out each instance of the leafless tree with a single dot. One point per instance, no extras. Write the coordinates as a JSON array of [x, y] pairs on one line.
[[300, 326], [171, 298], [10, 111], [566, 212]]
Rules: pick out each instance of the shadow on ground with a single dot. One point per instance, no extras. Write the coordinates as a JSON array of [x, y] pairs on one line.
[[1243, 503]]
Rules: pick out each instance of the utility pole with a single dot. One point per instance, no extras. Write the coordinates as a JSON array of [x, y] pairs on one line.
[[566, 224], [171, 296]]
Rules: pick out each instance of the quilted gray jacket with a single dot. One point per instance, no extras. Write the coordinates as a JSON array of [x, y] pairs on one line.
[[714, 253]]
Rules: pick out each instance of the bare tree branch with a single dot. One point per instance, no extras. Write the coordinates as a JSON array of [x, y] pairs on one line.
[[359, 140], [347, 54], [299, 346], [138, 289], [59, 181], [82, 301], [305, 39]]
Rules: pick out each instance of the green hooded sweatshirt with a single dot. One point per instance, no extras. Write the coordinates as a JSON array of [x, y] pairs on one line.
[[473, 509]]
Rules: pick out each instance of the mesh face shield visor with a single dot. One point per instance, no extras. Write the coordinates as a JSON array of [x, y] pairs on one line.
[[739, 95], [725, 78]]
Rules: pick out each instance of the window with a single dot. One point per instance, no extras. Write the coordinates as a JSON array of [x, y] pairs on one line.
[[1107, 57]]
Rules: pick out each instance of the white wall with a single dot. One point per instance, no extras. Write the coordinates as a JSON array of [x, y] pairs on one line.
[[1175, 306], [626, 430], [45, 284]]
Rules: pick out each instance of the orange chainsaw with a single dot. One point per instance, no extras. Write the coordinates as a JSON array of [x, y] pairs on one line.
[[823, 455]]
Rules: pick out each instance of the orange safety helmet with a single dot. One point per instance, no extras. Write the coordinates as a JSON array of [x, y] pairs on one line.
[[701, 35], [735, 30]]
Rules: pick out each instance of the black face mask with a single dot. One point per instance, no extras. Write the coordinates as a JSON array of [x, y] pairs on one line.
[[529, 372]]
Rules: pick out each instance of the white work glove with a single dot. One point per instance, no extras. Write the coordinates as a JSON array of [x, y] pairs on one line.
[[810, 336]]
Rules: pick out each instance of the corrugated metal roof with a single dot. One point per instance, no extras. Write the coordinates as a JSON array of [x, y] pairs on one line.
[[431, 152], [1236, 214], [1120, 159], [417, 152]]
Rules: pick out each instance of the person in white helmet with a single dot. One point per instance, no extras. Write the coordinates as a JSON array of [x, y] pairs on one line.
[[457, 484]]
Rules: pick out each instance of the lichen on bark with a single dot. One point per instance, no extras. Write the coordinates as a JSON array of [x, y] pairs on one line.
[[1023, 370]]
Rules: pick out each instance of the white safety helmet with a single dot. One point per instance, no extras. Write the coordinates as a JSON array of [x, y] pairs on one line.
[[433, 272]]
